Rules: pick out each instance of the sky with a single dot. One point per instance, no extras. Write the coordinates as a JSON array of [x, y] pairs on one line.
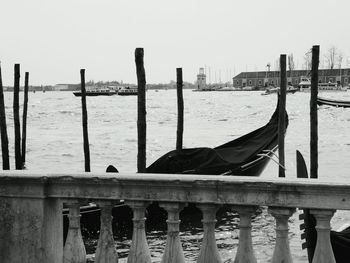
[[54, 39]]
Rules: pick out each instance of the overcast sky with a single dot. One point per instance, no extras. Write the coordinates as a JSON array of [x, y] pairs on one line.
[[54, 39]]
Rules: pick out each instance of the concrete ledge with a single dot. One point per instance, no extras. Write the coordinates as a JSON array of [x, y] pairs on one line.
[[301, 193]]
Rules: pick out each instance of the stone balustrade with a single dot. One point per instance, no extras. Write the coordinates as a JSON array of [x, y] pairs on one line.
[[32, 225]]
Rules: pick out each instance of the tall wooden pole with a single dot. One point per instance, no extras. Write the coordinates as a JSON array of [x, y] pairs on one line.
[[180, 110], [85, 122], [3, 128], [313, 113], [18, 158], [282, 116], [141, 110], [24, 117]]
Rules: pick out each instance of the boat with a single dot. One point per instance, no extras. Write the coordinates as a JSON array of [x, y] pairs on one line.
[[332, 102], [340, 239], [214, 88], [274, 90], [247, 155], [127, 91], [206, 88], [248, 88], [229, 89], [305, 85], [95, 91]]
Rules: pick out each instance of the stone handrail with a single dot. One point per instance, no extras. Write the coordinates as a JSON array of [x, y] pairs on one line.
[[31, 213]]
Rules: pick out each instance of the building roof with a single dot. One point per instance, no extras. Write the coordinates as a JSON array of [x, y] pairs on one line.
[[295, 73]]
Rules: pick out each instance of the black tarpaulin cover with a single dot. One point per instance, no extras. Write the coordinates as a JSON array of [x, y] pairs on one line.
[[227, 158]]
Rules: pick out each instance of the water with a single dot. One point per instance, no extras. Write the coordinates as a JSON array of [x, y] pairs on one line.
[[54, 144]]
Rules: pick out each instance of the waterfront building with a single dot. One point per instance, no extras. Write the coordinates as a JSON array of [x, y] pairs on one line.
[[59, 87], [263, 79], [65, 87], [201, 82]]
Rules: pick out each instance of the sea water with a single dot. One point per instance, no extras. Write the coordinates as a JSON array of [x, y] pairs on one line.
[[55, 144]]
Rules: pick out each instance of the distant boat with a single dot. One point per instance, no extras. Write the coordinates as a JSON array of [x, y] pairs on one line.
[[332, 102], [274, 90], [207, 88], [305, 85], [94, 91], [214, 88], [248, 88], [227, 89], [127, 91]]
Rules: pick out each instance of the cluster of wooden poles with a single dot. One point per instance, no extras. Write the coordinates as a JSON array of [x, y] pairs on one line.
[[20, 149], [141, 113], [313, 114]]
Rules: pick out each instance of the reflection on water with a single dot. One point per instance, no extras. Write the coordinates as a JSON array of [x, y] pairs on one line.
[[54, 144]]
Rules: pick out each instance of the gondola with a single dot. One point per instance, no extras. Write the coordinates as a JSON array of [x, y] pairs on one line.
[[332, 102], [245, 156], [340, 240]]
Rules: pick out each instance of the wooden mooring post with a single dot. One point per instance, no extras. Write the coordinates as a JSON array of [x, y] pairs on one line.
[[24, 118], [18, 158], [180, 110], [282, 116], [3, 128], [313, 113], [85, 122], [141, 110]]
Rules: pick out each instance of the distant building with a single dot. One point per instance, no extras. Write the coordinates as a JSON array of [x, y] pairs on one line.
[[58, 87], [261, 79], [201, 82], [66, 87]]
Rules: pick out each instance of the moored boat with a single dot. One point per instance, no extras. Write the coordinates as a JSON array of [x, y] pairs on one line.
[[127, 91], [245, 156], [214, 88], [206, 88], [305, 85], [95, 91], [274, 90], [333, 102]]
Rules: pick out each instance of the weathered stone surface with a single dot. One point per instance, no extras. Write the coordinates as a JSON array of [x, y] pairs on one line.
[[173, 252], [184, 188], [106, 251], [323, 250], [74, 249], [245, 251], [281, 253], [139, 251], [209, 252], [31, 231]]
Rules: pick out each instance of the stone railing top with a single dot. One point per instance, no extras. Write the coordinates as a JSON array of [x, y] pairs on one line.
[[302, 193]]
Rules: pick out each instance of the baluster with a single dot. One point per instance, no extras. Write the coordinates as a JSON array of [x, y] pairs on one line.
[[74, 249], [173, 252], [245, 253], [323, 250], [139, 251], [281, 253], [106, 251], [209, 252]]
